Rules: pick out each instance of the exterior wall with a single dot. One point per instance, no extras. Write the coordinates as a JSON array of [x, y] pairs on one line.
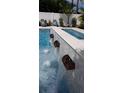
[[75, 78], [51, 16]]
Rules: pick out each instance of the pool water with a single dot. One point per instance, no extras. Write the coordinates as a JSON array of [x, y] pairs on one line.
[[48, 66], [74, 33]]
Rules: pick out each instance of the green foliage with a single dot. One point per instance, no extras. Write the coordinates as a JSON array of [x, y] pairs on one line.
[[81, 19], [42, 22], [61, 22], [67, 9], [74, 22], [58, 6], [68, 12], [53, 5], [82, 10]]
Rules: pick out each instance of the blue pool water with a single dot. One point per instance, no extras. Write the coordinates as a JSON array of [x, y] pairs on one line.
[[74, 33], [48, 66]]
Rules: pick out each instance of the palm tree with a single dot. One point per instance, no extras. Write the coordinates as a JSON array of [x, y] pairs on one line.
[[72, 4], [68, 12], [52, 5], [58, 6], [77, 6]]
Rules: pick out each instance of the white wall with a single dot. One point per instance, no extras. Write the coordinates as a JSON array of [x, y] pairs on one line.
[[51, 16], [75, 78]]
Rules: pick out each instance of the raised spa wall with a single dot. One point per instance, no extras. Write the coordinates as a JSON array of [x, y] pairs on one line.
[[75, 77]]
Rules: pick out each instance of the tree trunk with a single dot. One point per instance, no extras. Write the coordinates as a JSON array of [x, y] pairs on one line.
[[68, 20], [72, 3], [77, 5]]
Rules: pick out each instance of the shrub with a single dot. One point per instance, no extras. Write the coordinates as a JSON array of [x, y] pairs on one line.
[[81, 25], [42, 22], [55, 23], [81, 19], [74, 22], [39, 23], [61, 22], [45, 21], [49, 23]]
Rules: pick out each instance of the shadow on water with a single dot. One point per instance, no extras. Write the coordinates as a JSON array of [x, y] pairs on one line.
[[63, 86]]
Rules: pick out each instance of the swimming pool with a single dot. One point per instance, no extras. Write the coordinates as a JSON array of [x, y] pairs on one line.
[[48, 66], [74, 33]]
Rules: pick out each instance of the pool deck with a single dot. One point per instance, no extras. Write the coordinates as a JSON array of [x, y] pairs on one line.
[[76, 44]]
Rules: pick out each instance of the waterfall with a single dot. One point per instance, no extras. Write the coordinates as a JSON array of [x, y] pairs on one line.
[[51, 41], [56, 52]]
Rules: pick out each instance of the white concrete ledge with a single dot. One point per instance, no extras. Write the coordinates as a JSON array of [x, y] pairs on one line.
[[76, 44]]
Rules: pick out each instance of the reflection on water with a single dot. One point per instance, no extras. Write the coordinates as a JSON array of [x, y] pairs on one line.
[[46, 51]]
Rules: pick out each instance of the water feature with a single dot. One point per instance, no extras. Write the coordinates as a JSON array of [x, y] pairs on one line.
[[48, 66]]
